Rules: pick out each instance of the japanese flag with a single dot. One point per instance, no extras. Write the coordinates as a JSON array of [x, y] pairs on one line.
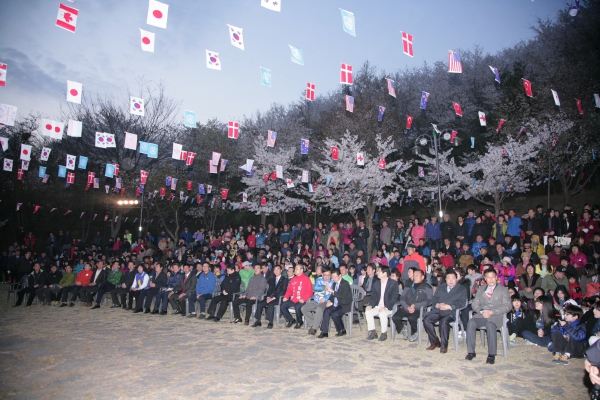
[[53, 129], [74, 92], [74, 128], [67, 17], [136, 106], [70, 162], [8, 164], [4, 143], [25, 152], [157, 14], [45, 153], [147, 41]]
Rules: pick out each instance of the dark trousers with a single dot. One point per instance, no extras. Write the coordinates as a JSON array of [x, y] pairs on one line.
[[121, 292], [178, 303], [145, 298], [236, 307], [87, 293], [270, 310], [70, 289], [202, 300], [30, 290], [516, 327], [412, 319], [4, 274], [162, 300], [435, 244], [464, 315], [104, 287], [337, 313], [47, 294], [429, 323], [286, 312], [222, 301], [563, 345], [364, 302], [492, 334]]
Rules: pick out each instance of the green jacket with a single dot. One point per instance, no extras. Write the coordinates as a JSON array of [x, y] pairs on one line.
[[246, 275], [68, 279], [348, 279], [115, 277]]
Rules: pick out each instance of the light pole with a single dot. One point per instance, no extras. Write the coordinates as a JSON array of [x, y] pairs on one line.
[[133, 204]]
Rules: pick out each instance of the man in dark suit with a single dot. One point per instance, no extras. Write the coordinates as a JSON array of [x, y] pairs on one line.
[[339, 303], [367, 286], [383, 297], [277, 287], [184, 289], [448, 297], [98, 277], [158, 280]]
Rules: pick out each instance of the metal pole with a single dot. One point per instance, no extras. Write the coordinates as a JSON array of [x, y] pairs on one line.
[[549, 185], [437, 166], [141, 213]]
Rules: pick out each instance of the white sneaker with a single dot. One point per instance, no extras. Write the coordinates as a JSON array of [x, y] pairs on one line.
[[528, 343], [413, 337]]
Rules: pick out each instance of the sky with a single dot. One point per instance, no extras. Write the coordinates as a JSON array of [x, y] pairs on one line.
[[104, 53]]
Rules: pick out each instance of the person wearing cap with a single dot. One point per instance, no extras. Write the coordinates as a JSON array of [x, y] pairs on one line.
[[246, 272], [528, 250], [551, 281], [412, 260], [555, 256]]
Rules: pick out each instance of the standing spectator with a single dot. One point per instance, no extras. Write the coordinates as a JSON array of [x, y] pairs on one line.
[[362, 237], [385, 235], [433, 233], [447, 228], [532, 225], [470, 221], [461, 229], [398, 235], [514, 227], [417, 232]]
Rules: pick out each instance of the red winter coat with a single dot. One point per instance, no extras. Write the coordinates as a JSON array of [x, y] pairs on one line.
[[299, 288]]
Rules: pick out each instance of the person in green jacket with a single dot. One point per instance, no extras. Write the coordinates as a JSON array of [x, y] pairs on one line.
[[246, 273], [68, 279], [113, 280], [345, 275], [551, 281]]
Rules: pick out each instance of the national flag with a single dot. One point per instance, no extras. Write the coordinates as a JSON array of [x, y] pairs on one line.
[[555, 96], [597, 100], [212, 60], [279, 171], [212, 169], [82, 162], [360, 158], [500, 123], [407, 44], [4, 143], [8, 164], [349, 103], [436, 129], [421, 174], [45, 153], [274, 175], [527, 87], [271, 138], [409, 121], [105, 140], [334, 153], [174, 183], [19, 206], [42, 172], [190, 185], [244, 197], [201, 189], [215, 158], [554, 142], [53, 129], [8, 114], [263, 201], [236, 36], [36, 208], [248, 165], [454, 64], [131, 141], [176, 154], [496, 73], [328, 180], [25, 152], [579, 109], [472, 142], [152, 150], [346, 74], [189, 119], [521, 131], [266, 178], [273, 5], [305, 176], [304, 145], [118, 183], [20, 174], [208, 189], [45, 179], [70, 164], [297, 56], [482, 120], [224, 193], [74, 90], [289, 183], [348, 22], [391, 85], [143, 176], [163, 192], [74, 128], [382, 163], [233, 129], [424, 100], [453, 136], [310, 188], [223, 165], [503, 151], [67, 17], [91, 177], [265, 77], [147, 41], [70, 178], [189, 160], [310, 91], [3, 68], [25, 165], [573, 11], [109, 171], [380, 115], [96, 183], [157, 14], [136, 106], [457, 109]]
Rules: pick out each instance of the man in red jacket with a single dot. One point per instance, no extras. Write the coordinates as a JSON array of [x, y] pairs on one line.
[[82, 280], [298, 292]]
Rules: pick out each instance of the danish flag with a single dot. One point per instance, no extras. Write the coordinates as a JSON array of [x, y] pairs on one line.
[[143, 176], [91, 176], [346, 74], [189, 160], [310, 91], [233, 130], [70, 177]]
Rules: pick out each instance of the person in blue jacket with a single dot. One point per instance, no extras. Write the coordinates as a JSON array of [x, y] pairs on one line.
[[568, 336], [433, 233], [205, 288]]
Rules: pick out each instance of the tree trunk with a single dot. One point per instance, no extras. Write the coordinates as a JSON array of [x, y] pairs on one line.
[[263, 218], [116, 226], [369, 225]]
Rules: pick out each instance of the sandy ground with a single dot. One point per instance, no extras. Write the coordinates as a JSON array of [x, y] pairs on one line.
[[78, 353]]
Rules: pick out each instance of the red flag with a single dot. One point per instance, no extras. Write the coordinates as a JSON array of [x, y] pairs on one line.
[[67, 17], [579, 109], [68, 212], [346, 74], [87, 186], [409, 120], [266, 177], [334, 152], [163, 192], [35, 209], [189, 185], [263, 201], [554, 142], [457, 109], [138, 191], [170, 196], [521, 131], [106, 218], [183, 156], [453, 136], [122, 192], [70, 177], [502, 121], [116, 170], [233, 130], [382, 163], [198, 199], [503, 152], [189, 160], [224, 193], [20, 174], [407, 44], [274, 176], [143, 176], [310, 91], [527, 86], [91, 176]]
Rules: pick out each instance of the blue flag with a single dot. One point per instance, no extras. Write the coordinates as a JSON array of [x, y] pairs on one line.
[[424, 99], [381, 111], [144, 146], [496, 74], [152, 150], [296, 55], [265, 76], [42, 172], [189, 119], [109, 171], [201, 189], [348, 22], [83, 162], [62, 171], [304, 144], [168, 181]]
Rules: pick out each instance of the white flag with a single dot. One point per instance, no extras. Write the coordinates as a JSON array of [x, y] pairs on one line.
[[104, 140], [215, 158], [273, 5], [279, 171], [360, 159], [8, 164], [597, 99], [482, 120], [130, 141], [236, 37], [305, 177], [147, 41], [157, 14], [74, 128], [25, 165], [177, 148], [45, 153], [289, 183], [212, 60], [136, 106], [53, 129], [244, 197], [4, 143], [555, 95], [74, 92], [71, 162], [25, 152]]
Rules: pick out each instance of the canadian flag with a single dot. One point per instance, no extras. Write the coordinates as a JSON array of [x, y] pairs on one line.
[[409, 121], [360, 159], [334, 153], [190, 158], [2, 74], [70, 177], [54, 129], [382, 163], [233, 130], [74, 92], [91, 176], [224, 193], [157, 14], [20, 173], [482, 120], [310, 91], [25, 152], [244, 197], [208, 189], [67, 17], [143, 176], [147, 41]]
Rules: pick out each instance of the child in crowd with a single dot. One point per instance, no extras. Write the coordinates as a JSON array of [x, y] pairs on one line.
[[516, 319], [574, 289], [568, 336]]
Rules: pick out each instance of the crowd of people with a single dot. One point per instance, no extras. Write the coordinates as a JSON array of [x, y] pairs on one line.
[[539, 271]]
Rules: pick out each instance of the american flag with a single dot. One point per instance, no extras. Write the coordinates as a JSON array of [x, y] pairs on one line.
[[304, 144], [454, 64], [349, 103], [391, 87], [271, 137]]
